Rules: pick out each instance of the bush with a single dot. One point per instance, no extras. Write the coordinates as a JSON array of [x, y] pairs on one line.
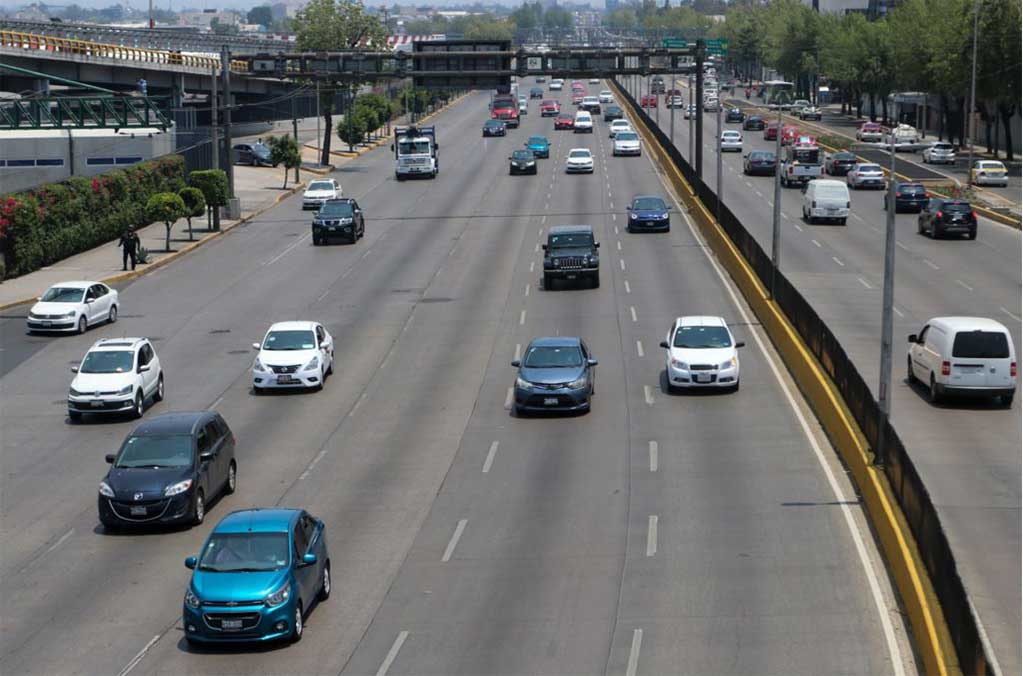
[[195, 205], [213, 185], [352, 129], [284, 150], [166, 207], [56, 220]]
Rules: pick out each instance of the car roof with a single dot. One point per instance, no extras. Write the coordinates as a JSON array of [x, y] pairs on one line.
[[556, 341], [175, 422], [993, 163], [587, 150], [828, 182], [75, 284], [340, 200], [960, 323], [571, 229], [700, 320], [292, 326], [259, 520], [538, 138]]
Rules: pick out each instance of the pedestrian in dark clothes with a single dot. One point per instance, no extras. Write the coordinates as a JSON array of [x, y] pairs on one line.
[[130, 245]]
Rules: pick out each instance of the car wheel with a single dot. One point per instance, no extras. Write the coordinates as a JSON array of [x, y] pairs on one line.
[[936, 232], [231, 485], [919, 227], [595, 281], [75, 416], [158, 395], [198, 508], [972, 235], [330, 367], [316, 241], [83, 324], [112, 316], [140, 406], [325, 583], [1007, 400], [297, 625], [841, 221], [933, 394], [548, 282]]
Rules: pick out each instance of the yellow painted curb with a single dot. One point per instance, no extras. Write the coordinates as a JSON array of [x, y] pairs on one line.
[[902, 556], [191, 246]]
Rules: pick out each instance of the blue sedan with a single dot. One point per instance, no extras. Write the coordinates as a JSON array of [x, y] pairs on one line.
[[539, 146], [257, 576], [555, 374], [648, 213]]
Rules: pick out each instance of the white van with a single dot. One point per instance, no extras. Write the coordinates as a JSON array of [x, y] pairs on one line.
[[583, 122], [826, 199], [963, 355]]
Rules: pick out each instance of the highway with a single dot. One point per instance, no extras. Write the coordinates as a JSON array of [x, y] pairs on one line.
[[656, 534], [967, 452]]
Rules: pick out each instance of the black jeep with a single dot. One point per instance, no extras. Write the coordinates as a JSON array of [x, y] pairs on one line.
[[571, 253]]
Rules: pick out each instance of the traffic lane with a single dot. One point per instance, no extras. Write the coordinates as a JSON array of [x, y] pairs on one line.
[[724, 502], [405, 258]]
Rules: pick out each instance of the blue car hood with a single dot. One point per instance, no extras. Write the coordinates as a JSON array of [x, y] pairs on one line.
[[650, 213], [210, 586], [126, 482], [538, 146], [550, 376]]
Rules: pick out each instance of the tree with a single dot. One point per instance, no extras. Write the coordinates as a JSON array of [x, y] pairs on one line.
[[352, 128], [262, 15], [219, 28], [213, 185], [330, 25], [195, 205], [622, 19], [284, 150], [490, 29], [166, 207]]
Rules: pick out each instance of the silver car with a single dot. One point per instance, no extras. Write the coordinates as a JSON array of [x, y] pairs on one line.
[[940, 152], [865, 176]]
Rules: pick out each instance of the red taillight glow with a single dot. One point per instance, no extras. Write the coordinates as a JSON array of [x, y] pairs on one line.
[[898, 194], [974, 214], [927, 194], [939, 214], [1012, 369], [946, 368]]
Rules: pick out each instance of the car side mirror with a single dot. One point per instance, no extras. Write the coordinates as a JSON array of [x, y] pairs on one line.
[[109, 457], [324, 345], [591, 362], [516, 363], [74, 369], [740, 343], [89, 300], [190, 562], [144, 367], [596, 245], [39, 298], [255, 346], [544, 247], [308, 559], [206, 456], [913, 338], [665, 345], [392, 146]]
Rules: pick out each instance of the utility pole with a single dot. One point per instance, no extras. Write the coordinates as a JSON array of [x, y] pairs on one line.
[[152, 24], [225, 71], [692, 120], [698, 141], [888, 299], [294, 129], [776, 222], [671, 100], [319, 157], [214, 131], [721, 184], [973, 96]]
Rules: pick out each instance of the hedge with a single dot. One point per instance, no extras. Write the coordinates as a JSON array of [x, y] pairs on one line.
[[42, 226]]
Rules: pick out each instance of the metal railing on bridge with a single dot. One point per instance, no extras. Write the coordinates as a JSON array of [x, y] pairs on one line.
[[85, 112]]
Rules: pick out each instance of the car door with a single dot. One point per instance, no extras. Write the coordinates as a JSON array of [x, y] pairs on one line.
[[219, 461], [305, 575], [590, 370], [141, 359], [313, 530], [100, 306], [326, 343], [360, 224], [921, 368], [91, 304], [203, 445]]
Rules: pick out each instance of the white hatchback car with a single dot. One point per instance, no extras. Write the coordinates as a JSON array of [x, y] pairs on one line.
[[865, 176], [731, 140], [319, 192], [617, 126], [117, 375], [701, 353], [939, 152], [626, 143], [580, 160], [606, 96], [557, 85], [295, 354], [73, 306]]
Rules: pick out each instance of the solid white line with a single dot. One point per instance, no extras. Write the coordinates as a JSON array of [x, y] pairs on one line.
[[632, 311], [816, 243], [508, 398], [930, 264], [651, 535], [637, 641], [898, 311], [653, 456], [59, 542], [322, 295], [964, 285], [648, 395], [838, 261], [621, 261], [518, 350], [454, 540], [864, 282], [628, 289], [639, 348], [217, 402], [522, 318], [490, 457], [289, 248], [138, 656], [1009, 313], [392, 653], [989, 650]]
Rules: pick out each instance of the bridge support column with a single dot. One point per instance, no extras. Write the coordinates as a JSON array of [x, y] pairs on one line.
[[41, 86]]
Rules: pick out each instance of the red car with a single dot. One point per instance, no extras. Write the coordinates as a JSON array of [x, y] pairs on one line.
[[648, 101], [577, 98], [788, 135], [771, 131], [564, 122], [549, 108]]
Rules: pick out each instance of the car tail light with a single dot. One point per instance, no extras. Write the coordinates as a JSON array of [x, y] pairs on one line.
[[946, 368], [898, 194], [974, 214], [1012, 369], [939, 215]]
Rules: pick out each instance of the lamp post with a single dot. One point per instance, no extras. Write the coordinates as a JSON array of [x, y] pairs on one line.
[[721, 184], [689, 111], [973, 97], [776, 222], [887, 296]]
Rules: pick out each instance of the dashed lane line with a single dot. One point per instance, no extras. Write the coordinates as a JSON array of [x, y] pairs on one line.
[[392, 654], [454, 540]]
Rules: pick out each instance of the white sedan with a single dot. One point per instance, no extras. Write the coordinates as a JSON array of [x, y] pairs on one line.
[[626, 143], [319, 192], [294, 354], [865, 176], [701, 352], [556, 85], [617, 126], [579, 160], [594, 80], [689, 111], [731, 140], [73, 306], [606, 96]]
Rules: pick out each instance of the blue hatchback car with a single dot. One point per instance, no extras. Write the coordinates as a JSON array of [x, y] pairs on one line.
[[648, 213], [555, 374], [539, 146], [258, 574]]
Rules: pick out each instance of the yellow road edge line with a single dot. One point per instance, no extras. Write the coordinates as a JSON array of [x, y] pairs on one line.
[[905, 563]]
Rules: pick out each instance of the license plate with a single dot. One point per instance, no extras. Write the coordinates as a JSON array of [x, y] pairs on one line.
[[702, 378], [138, 511], [96, 404], [970, 370], [285, 380], [47, 323], [571, 276], [550, 401], [332, 228], [231, 624], [832, 211]]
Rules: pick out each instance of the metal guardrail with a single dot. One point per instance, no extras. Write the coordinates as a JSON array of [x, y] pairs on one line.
[[66, 46], [85, 112]]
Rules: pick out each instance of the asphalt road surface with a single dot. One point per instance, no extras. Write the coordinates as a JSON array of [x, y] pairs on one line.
[[967, 452], [657, 534]]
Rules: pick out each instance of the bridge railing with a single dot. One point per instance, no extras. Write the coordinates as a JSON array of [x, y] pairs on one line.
[[68, 46]]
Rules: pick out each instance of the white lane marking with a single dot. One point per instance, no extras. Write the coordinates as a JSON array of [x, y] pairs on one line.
[[816, 243], [653, 456], [637, 641], [324, 294], [392, 654], [797, 227], [612, 205], [614, 217], [648, 395], [749, 184], [964, 285], [619, 245], [531, 265], [543, 220], [508, 398], [651, 535], [785, 215], [864, 282], [1009, 313], [59, 542], [138, 656], [539, 233], [639, 348], [536, 247], [632, 311], [838, 261], [621, 261], [759, 194], [518, 350], [527, 290], [616, 227], [894, 654], [875, 228], [522, 318], [217, 402], [454, 540], [628, 289], [898, 311], [858, 218], [490, 457], [901, 245], [930, 264], [289, 248]]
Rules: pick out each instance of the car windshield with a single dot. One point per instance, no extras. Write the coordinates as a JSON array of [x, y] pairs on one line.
[[63, 294], [826, 190], [762, 155], [649, 204], [413, 147], [991, 165], [245, 552], [942, 146], [493, 123], [957, 207], [290, 340], [577, 239], [845, 157], [522, 155], [260, 149], [730, 134], [911, 188], [553, 357], [626, 136], [155, 451], [537, 141], [107, 361], [321, 185], [342, 209], [702, 337], [870, 167], [585, 154], [980, 345]]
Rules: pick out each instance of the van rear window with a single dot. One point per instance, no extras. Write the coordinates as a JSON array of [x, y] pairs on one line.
[[980, 345]]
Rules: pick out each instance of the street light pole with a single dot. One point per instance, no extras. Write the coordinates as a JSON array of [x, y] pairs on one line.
[[689, 111], [888, 300], [973, 96], [776, 222], [721, 184], [672, 101]]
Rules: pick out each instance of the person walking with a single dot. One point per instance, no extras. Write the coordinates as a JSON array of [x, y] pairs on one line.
[[130, 245]]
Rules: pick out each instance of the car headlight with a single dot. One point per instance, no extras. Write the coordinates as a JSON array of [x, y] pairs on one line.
[[313, 363], [126, 389], [69, 314], [634, 215], [578, 383], [105, 490], [555, 263], [523, 384], [191, 600], [74, 392], [664, 215], [258, 366], [593, 260], [280, 596], [530, 163], [731, 363], [178, 488], [679, 364]]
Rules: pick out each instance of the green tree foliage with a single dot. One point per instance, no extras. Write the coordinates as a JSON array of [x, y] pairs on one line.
[[213, 185], [261, 15], [622, 19], [195, 205], [352, 128], [284, 151], [165, 207], [493, 29]]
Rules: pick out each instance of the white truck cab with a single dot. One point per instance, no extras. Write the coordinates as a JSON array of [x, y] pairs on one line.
[[415, 152]]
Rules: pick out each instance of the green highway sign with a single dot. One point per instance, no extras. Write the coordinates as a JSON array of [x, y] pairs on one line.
[[675, 43], [716, 46]]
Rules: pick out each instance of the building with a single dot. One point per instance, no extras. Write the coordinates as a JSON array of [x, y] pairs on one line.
[[204, 18], [840, 6]]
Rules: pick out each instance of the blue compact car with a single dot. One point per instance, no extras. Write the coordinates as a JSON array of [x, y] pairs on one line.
[[555, 374], [648, 213], [257, 576], [539, 146]]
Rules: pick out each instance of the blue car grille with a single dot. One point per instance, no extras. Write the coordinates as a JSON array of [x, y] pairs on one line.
[[232, 604], [215, 620], [154, 509]]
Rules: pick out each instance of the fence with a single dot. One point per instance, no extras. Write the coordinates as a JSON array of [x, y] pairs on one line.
[[909, 489]]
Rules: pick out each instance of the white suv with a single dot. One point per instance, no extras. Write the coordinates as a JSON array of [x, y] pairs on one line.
[[293, 355], [701, 353], [117, 375], [319, 192]]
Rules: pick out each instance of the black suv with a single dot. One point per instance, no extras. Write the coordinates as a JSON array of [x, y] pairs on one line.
[[571, 253], [338, 218], [612, 113], [943, 216]]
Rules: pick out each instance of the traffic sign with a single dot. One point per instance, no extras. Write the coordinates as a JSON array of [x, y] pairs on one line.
[[717, 46], [675, 43]]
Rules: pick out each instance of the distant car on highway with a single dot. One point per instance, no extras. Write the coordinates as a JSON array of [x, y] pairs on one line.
[[689, 111], [591, 104], [989, 172], [648, 101], [760, 163], [839, 164], [789, 135], [319, 191], [256, 578], [612, 112], [753, 123], [494, 128], [167, 471], [908, 197], [577, 98], [583, 122], [554, 374], [293, 355], [117, 375], [536, 93], [571, 253], [626, 143], [735, 115], [939, 152], [580, 160], [826, 199], [253, 154], [648, 212], [556, 85], [73, 306], [521, 162], [564, 121], [943, 216], [341, 218], [870, 131], [771, 131], [617, 126], [701, 352], [731, 140], [549, 108], [606, 96], [864, 175], [540, 146], [595, 80], [809, 113]]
